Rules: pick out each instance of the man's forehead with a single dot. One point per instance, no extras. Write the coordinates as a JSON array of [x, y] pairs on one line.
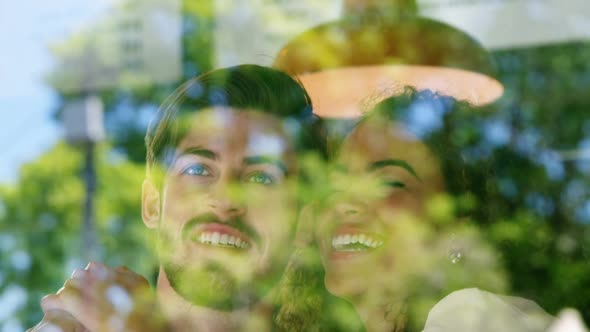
[[257, 132], [222, 118], [266, 144]]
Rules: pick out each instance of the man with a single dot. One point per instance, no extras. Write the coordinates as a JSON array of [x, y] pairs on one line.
[[223, 162]]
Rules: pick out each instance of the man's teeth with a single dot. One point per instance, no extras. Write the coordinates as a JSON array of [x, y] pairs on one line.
[[355, 242], [223, 240]]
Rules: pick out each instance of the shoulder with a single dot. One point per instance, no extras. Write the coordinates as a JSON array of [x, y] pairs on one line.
[[473, 309]]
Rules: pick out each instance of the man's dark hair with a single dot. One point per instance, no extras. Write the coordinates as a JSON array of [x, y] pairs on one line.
[[247, 87]]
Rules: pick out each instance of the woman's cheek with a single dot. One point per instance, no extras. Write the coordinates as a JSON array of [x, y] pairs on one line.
[[402, 204]]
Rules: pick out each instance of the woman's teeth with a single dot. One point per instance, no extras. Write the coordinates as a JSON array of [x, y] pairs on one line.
[[355, 242], [225, 240]]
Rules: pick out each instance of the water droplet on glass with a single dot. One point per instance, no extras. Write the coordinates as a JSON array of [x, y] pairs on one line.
[[455, 251], [455, 256]]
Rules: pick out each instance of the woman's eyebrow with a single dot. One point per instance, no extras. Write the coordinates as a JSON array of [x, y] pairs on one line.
[[393, 162], [256, 160]]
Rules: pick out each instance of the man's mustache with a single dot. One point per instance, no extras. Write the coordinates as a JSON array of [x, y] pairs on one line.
[[208, 218]]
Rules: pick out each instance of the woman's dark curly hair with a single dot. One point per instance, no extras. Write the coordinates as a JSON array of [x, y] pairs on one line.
[[450, 130]]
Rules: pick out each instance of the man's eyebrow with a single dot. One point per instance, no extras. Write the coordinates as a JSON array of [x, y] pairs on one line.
[[393, 162], [255, 160], [200, 152]]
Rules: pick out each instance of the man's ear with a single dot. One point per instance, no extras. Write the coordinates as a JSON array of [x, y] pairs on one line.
[[150, 204]]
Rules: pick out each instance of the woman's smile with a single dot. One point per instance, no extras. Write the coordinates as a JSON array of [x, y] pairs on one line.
[[351, 241]]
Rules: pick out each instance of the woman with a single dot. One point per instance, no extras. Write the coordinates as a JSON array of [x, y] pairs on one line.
[[394, 234]]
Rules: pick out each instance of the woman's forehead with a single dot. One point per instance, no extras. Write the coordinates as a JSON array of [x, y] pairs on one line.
[[379, 136], [373, 141]]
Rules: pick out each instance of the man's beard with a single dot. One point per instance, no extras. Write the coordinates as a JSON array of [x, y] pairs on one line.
[[210, 285]]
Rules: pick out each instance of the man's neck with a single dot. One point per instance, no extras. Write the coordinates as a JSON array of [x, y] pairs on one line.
[[185, 316]]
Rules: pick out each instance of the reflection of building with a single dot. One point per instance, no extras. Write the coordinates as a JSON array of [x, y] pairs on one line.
[[133, 43], [254, 30], [503, 24]]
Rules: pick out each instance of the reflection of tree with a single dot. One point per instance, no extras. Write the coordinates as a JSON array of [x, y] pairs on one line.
[[533, 207], [542, 233], [42, 221], [40, 215], [109, 56]]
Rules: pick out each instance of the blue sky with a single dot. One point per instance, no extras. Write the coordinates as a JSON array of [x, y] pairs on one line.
[[26, 103]]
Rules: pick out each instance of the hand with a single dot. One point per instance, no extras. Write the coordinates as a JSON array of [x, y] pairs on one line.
[[105, 299], [58, 320]]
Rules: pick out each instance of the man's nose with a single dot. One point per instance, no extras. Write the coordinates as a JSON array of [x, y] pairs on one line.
[[226, 209], [226, 203]]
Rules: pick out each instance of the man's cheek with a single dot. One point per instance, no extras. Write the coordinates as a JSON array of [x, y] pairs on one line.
[[170, 246], [272, 204], [275, 229], [185, 206]]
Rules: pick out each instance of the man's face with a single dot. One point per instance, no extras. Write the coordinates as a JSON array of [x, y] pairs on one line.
[[227, 208]]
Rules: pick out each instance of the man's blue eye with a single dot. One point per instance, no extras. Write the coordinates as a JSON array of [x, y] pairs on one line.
[[260, 178], [197, 170]]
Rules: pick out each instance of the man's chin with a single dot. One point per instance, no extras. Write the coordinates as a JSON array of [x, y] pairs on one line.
[[211, 285]]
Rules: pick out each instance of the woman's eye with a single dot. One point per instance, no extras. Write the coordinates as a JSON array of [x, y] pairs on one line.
[[196, 170], [260, 178], [395, 184]]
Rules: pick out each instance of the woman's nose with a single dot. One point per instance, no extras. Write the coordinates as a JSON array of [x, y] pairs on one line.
[[351, 209]]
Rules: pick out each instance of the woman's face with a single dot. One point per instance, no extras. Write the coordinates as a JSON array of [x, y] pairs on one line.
[[382, 175]]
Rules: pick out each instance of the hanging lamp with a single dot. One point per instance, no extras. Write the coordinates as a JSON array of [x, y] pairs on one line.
[[381, 46]]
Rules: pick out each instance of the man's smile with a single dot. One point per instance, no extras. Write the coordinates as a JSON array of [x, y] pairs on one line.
[[208, 230], [221, 235]]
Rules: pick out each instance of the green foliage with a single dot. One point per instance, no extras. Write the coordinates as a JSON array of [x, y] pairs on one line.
[[526, 201], [42, 219], [538, 218]]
